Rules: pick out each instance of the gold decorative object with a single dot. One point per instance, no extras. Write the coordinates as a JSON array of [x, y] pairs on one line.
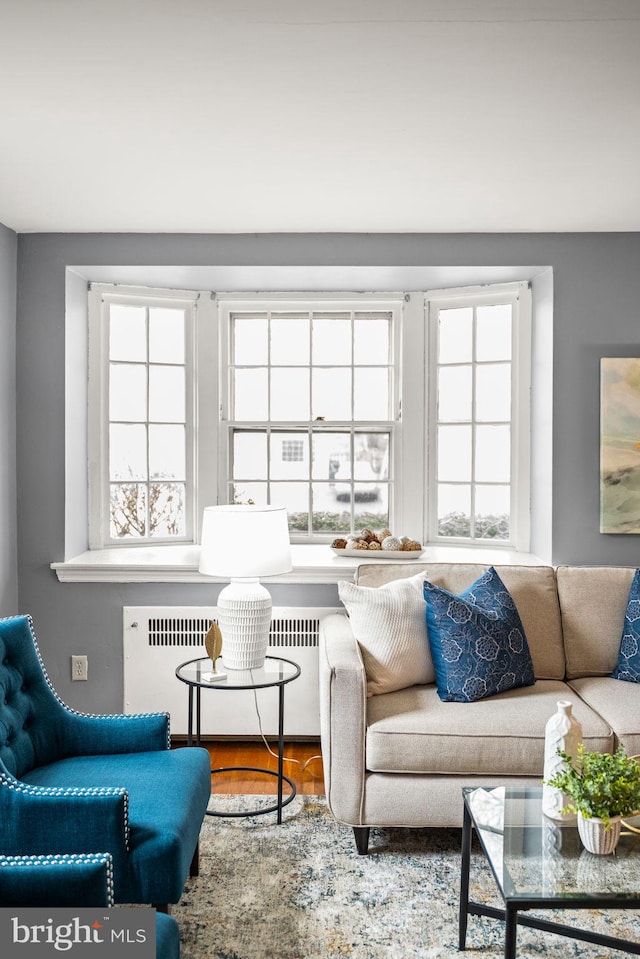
[[213, 644]]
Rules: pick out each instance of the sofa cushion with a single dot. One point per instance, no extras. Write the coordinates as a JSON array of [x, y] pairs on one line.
[[413, 731], [532, 588], [617, 703], [477, 640], [389, 625], [593, 602], [628, 665]]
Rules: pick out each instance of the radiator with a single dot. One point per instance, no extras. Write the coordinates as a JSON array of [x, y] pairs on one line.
[[157, 639]]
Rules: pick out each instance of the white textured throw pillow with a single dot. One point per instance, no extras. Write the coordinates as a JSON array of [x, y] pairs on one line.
[[389, 623]]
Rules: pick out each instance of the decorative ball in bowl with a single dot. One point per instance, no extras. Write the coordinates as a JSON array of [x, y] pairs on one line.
[[381, 542]]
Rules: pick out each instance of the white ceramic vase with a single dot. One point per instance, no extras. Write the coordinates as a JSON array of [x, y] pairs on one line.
[[595, 838], [563, 731]]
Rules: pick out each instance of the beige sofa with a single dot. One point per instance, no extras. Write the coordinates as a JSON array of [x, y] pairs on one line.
[[400, 758]]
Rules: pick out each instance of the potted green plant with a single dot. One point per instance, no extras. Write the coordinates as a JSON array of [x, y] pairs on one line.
[[602, 788]]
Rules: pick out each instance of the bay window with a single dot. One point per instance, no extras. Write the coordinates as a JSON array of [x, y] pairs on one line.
[[352, 410]]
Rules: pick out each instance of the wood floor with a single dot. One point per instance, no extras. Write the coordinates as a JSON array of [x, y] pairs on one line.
[[303, 764]]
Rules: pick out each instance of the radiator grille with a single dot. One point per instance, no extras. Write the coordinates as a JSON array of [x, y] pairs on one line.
[[190, 631], [157, 639], [295, 632]]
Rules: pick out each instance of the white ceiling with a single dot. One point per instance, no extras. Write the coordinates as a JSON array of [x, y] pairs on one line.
[[328, 116]]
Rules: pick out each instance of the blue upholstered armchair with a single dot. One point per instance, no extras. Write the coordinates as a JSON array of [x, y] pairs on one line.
[[76, 881], [77, 783]]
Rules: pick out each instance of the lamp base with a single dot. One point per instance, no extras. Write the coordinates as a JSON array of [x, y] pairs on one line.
[[244, 617]]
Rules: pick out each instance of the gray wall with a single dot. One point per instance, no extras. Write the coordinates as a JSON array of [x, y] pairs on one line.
[[8, 523], [595, 313]]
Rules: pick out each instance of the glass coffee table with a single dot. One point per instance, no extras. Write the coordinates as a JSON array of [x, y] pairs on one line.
[[540, 863]]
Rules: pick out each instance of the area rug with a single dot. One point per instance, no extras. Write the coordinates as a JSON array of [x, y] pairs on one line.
[[299, 890]]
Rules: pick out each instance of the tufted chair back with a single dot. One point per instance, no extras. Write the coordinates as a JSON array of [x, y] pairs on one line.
[[32, 718]]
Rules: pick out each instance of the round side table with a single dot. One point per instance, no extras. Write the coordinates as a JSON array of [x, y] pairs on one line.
[[276, 673]]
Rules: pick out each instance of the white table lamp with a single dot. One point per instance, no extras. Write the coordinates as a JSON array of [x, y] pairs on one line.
[[244, 543]]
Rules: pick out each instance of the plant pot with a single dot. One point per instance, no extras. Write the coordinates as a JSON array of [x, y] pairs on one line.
[[595, 838]]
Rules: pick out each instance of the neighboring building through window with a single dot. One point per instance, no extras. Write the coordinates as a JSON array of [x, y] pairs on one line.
[[292, 451]]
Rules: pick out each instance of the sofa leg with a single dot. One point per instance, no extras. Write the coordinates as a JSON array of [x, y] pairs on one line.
[[194, 868], [162, 907], [361, 834]]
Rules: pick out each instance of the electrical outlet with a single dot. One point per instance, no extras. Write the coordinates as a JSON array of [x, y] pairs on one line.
[[79, 667]]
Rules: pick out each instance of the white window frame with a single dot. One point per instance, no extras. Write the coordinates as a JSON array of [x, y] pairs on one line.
[[230, 303], [518, 295], [412, 462], [200, 406]]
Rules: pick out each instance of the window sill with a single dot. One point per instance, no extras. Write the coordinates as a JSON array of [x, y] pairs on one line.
[[311, 564]]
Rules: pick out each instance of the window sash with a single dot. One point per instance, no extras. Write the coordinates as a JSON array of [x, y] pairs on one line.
[[307, 306], [518, 297], [102, 297]]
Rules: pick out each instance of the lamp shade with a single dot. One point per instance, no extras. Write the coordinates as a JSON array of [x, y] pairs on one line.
[[241, 541]]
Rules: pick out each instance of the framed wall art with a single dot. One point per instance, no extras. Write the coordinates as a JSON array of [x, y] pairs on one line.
[[619, 445]]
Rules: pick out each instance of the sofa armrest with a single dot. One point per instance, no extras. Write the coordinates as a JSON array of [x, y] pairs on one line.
[[83, 879], [343, 718]]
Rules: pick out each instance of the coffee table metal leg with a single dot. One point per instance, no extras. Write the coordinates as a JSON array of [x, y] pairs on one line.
[[510, 931], [464, 879]]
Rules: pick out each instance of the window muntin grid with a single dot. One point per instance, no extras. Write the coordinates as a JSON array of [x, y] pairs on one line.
[[479, 374], [324, 380], [147, 422]]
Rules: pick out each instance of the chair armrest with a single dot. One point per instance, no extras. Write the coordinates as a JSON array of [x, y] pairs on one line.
[[83, 734], [343, 718], [44, 820], [74, 880]]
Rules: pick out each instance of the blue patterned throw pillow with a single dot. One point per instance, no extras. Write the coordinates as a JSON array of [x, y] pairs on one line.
[[477, 640], [628, 665]]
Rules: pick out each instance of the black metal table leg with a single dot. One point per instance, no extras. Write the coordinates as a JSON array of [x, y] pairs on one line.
[[190, 719], [464, 880], [280, 749], [510, 931]]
